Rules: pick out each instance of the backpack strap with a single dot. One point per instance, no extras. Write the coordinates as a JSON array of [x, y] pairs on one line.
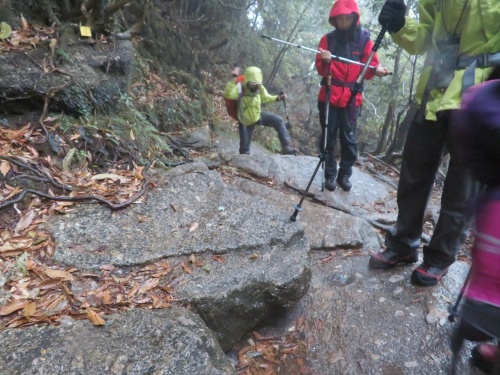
[[332, 41], [358, 47]]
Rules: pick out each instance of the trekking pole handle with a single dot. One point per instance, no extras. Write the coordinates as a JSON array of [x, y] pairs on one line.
[[379, 39], [338, 58], [376, 45]]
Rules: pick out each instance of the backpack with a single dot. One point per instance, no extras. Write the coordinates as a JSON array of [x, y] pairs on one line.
[[232, 104], [357, 47]]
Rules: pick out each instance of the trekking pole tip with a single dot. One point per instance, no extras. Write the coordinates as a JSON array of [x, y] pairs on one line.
[[295, 213], [265, 36]]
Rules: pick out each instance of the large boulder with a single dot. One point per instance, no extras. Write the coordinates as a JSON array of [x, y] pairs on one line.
[[168, 342], [298, 170], [192, 211], [325, 227], [87, 78]]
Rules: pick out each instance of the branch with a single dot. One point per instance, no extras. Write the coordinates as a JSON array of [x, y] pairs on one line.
[[52, 91], [111, 205], [38, 172], [135, 28], [375, 223], [236, 8], [374, 158], [115, 7], [381, 177]]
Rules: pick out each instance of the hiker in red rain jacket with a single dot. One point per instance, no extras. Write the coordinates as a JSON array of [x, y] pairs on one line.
[[349, 40]]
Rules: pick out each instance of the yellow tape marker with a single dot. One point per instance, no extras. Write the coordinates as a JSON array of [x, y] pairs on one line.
[[85, 31]]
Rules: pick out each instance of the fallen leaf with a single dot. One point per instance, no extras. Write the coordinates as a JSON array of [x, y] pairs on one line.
[[143, 218], [4, 167], [58, 274], [192, 258], [148, 285], [30, 309], [24, 23], [13, 306], [138, 172], [207, 268], [193, 227], [218, 258], [111, 176], [95, 318], [133, 291], [67, 159], [186, 268], [25, 221], [107, 267], [49, 284], [300, 322], [107, 298]]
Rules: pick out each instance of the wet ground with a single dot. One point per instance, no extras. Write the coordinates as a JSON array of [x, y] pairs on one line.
[[359, 321], [355, 320]]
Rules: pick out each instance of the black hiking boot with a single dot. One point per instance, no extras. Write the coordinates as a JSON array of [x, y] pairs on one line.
[[344, 183], [288, 150], [427, 275], [389, 258], [330, 184]]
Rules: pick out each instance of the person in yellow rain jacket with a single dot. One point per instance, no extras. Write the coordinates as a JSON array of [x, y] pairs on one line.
[[462, 42], [250, 94]]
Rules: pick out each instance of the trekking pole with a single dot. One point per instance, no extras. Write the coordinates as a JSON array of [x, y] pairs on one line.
[[356, 88], [453, 309], [325, 137], [338, 58], [321, 155], [288, 126]]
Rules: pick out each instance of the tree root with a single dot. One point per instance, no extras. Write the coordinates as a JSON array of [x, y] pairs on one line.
[[374, 223], [40, 175], [111, 205]]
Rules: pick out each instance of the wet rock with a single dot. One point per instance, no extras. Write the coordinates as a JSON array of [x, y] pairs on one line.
[[132, 342], [89, 78], [325, 228], [396, 278], [266, 265]]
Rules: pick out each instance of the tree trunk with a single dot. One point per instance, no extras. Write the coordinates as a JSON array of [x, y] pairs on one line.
[[391, 108], [389, 120]]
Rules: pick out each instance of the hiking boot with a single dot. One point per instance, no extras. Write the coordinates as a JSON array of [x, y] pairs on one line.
[[288, 150], [426, 275], [344, 183], [484, 356], [330, 184], [390, 258]]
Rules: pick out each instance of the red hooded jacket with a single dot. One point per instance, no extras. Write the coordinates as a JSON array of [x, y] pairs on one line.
[[342, 71]]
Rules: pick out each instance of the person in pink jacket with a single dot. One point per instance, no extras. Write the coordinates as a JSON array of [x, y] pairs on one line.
[[477, 136]]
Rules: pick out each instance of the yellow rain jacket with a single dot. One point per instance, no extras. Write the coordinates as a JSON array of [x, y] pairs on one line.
[[475, 22], [249, 103]]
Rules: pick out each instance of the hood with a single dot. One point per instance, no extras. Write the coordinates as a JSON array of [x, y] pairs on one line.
[[253, 75], [344, 7]]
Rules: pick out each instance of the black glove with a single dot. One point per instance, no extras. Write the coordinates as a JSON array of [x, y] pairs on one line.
[[392, 15]]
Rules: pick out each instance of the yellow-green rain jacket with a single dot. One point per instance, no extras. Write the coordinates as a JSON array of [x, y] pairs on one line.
[[477, 23], [250, 104]]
